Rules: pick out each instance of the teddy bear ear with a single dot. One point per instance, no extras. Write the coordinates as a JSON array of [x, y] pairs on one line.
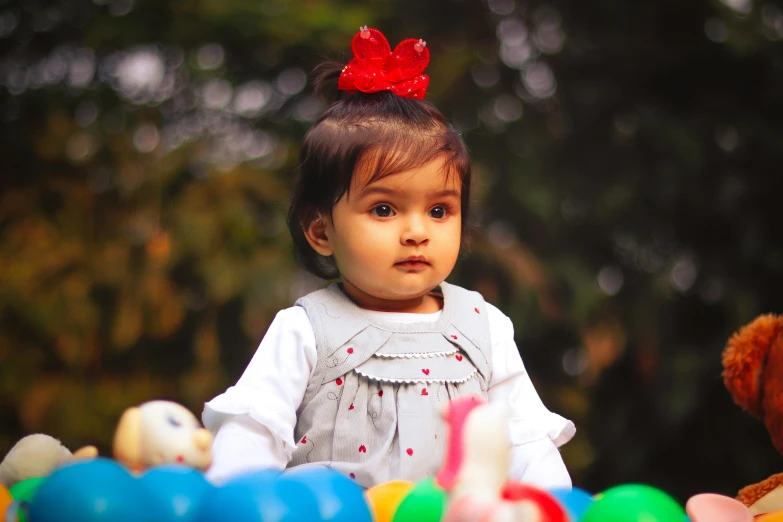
[[744, 359]]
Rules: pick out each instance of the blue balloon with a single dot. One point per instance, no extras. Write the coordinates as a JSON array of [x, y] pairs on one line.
[[574, 500], [98, 490], [260, 496], [339, 498], [178, 490]]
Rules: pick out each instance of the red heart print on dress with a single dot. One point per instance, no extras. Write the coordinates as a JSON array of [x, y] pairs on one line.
[[304, 439], [352, 476], [476, 310], [409, 451], [350, 407], [424, 391], [362, 449], [380, 393], [338, 382], [454, 337], [425, 371], [459, 357], [350, 351]]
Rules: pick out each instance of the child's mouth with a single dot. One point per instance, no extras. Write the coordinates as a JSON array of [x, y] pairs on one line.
[[413, 264]]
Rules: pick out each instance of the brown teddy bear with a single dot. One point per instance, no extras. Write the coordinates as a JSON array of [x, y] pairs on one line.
[[753, 374]]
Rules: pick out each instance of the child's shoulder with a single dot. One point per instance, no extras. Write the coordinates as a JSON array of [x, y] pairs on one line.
[[330, 292], [499, 323], [494, 314], [293, 317]]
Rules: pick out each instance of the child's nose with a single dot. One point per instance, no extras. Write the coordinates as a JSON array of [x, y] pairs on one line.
[[415, 231]]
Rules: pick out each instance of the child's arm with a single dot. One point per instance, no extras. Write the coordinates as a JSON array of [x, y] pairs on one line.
[[241, 444], [254, 420], [536, 433]]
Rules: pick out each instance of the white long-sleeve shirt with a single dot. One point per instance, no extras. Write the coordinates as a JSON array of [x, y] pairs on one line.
[[253, 421]]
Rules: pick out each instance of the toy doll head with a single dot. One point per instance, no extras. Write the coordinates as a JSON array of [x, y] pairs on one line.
[[378, 127], [161, 432]]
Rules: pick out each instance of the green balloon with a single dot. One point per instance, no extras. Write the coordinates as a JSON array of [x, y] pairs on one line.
[[634, 503], [425, 502], [26, 489]]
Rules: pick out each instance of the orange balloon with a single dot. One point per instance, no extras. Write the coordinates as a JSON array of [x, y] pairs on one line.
[[5, 500], [775, 516], [384, 498]]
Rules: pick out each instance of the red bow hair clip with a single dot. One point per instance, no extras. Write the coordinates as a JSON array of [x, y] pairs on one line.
[[376, 68]]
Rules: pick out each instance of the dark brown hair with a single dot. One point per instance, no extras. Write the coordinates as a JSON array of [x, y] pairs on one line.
[[383, 132]]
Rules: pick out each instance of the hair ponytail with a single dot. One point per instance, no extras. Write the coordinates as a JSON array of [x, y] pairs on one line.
[[325, 78]]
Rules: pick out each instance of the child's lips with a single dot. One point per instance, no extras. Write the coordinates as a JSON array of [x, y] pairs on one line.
[[414, 263]]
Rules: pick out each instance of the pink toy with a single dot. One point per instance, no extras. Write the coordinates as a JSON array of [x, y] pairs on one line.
[[456, 414], [475, 470], [710, 507]]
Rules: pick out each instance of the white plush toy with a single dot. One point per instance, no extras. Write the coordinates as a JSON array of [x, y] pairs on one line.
[[37, 455], [161, 432]]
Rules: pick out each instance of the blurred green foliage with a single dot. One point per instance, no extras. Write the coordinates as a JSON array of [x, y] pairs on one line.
[[627, 154]]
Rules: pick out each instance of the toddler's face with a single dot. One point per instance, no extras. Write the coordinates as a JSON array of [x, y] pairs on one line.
[[397, 238]]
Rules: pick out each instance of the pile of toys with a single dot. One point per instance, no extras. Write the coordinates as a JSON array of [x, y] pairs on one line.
[[103, 490], [161, 451]]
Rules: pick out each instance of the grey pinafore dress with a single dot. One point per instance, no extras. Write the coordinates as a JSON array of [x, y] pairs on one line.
[[372, 407]]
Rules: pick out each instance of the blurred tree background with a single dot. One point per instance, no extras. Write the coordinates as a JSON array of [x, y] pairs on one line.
[[627, 156]]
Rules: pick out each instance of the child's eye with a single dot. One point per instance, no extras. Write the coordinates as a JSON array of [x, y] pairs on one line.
[[382, 211], [438, 212], [174, 422]]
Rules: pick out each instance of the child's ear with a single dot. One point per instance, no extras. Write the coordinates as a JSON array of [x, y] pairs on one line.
[[316, 235]]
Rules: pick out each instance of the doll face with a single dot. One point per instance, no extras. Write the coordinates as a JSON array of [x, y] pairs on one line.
[[171, 434], [397, 238]]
